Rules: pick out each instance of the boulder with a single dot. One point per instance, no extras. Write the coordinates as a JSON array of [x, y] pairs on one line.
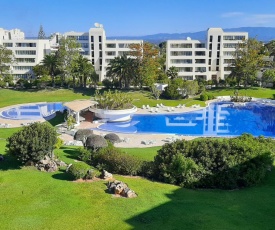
[[119, 188], [106, 175]]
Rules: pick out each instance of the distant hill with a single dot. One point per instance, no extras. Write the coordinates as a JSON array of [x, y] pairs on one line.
[[264, 34]]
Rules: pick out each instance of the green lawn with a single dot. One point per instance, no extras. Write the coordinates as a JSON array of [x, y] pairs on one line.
[[37, 200]]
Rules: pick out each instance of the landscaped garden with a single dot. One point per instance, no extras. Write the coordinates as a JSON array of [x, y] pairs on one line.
[[31, 199]]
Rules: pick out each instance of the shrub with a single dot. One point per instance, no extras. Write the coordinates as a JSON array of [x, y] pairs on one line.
[[82, 134], [79, 170], [115, 161], [107, 83], [85, 155], [215, 163], [59, 143], [95, 142], [33, 142], [112, 137], [171, 91], [210, 96], [203, 97]]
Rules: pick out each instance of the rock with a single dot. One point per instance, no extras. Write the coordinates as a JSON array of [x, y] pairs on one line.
[[29, 163], [106, 175], [120, 188], [67, 169]]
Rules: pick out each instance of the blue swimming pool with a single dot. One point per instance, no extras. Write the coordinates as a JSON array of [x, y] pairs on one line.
[[219, 119], [32, 112]]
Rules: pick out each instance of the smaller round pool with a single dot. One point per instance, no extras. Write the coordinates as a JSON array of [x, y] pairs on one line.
[[32, 111]]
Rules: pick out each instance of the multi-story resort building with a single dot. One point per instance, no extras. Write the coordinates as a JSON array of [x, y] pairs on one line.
[[208, 60], [194, 59]]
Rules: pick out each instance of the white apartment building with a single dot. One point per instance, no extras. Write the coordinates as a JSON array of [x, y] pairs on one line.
[[209, 60], [96, 47], [194, 59], [27, 52]]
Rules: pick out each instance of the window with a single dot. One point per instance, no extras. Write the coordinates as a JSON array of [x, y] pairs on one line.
[[209, 62], [181, 53], [111, 45], [99, 38], [210, 53], [100, 46], [211, 38], [230, 45], [22, 67], [184, 69], [123, 45], [25, 52], [84, 45], [181, 61], [100, 54], [111, 53], [7, 44], [25, 45], [200, 53], [228, 61], [92, 46], [200, 45], [234, 38], [200, 61], [218, 54], [93, 61], [200, 69], [219, 47], [217, 61], [219, 38], [229, 53], [227, 68], [210, 46], [93, 54], [181, 45], [25, 60], [92, 38], [217, 68], [100, 61]]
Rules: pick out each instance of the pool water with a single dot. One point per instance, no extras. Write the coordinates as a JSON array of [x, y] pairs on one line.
[[32, 112], [219, 119]]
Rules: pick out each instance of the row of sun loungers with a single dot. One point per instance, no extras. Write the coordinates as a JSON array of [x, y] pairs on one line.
[[5, 125], [159, 106]]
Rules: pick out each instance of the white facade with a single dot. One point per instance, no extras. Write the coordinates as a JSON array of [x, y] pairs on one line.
[[98, 49], [27, 52], [209, 60], [194, 59]]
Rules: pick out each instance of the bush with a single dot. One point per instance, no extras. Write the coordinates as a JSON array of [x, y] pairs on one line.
[[85, 155], [95, 142], [107, 83], [215, 163], [79, 170], [33, 142], [112, 137], [203, 97], [115, 161], [210, 96], [171, 91], [59, 143], [82, 134]]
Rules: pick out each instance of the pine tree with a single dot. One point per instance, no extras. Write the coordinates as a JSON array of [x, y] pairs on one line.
[[41, 33]]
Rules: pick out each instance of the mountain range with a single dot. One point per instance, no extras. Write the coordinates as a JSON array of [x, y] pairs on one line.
[[264, 34]]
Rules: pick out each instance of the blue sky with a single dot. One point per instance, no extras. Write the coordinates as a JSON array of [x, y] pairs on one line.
[[134, 17]]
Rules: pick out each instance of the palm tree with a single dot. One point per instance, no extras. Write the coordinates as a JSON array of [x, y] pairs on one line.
[[83, 68], [172, 72], [121, 68], [50, 64]]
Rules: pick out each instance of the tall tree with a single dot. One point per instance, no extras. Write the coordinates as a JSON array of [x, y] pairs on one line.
[[50, 63], [148, 65], [172, 72], [248, 59], [122, 68], [68, 52], [41, 33], [6, 60]]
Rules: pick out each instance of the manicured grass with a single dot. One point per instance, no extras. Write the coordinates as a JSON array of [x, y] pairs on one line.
[[37, 200], [146, 154]]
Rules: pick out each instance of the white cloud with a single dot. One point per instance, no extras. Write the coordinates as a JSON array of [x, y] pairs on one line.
[[232, 14]]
